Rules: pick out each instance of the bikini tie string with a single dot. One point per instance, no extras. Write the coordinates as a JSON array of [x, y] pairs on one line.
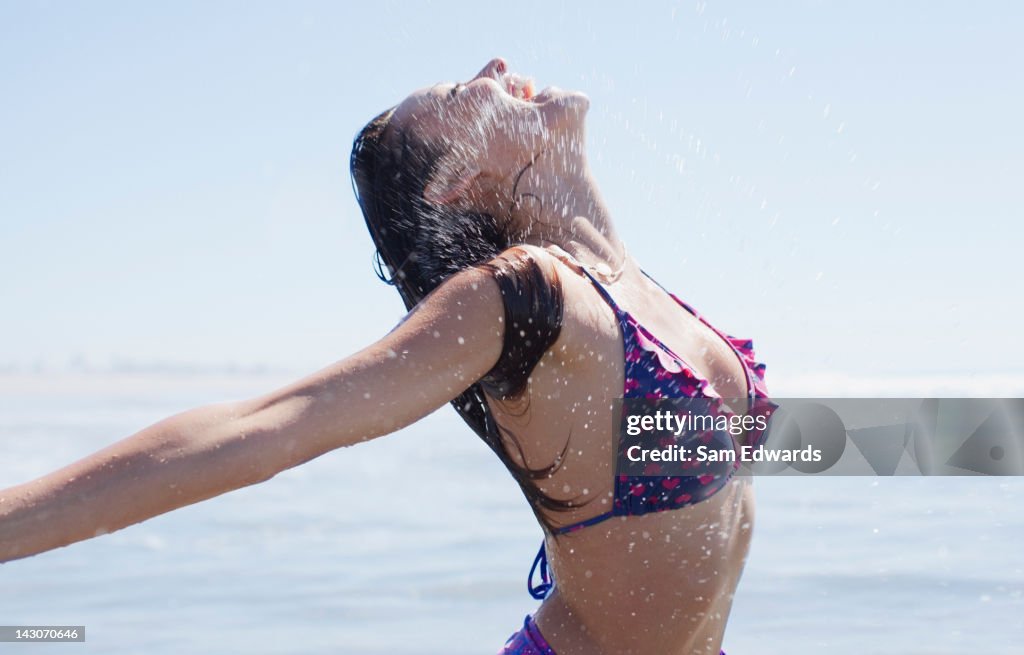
[[547, 582]]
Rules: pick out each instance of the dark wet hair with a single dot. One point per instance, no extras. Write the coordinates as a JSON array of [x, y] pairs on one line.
[[419, 245]]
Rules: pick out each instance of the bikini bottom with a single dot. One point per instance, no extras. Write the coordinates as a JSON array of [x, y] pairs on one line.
[[529, 641]]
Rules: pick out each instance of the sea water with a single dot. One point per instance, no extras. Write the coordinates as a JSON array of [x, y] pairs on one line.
[[419, 543]]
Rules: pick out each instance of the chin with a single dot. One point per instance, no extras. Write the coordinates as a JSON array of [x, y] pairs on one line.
[[562, 108]]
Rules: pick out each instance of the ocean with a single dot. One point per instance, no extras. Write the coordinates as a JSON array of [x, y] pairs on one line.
[[317, 561]]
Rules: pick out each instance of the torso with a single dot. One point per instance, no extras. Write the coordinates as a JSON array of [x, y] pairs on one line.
[[657, 583]]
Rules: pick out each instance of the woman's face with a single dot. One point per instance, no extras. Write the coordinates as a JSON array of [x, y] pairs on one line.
[[494, 121]]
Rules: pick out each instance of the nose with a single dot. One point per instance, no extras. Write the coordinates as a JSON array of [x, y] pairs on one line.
[[493, 69]]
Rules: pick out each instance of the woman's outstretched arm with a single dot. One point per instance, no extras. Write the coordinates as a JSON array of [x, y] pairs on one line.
[[449, 341]]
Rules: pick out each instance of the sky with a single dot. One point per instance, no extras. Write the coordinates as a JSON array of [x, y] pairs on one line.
[[837, 181]]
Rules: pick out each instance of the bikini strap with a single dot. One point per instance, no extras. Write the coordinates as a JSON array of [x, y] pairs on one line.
[[601, 290], [541, 590], [594, 520], [611, 301], [747, 372], [674, 297]]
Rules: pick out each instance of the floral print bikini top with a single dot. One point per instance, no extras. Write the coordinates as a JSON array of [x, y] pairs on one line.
[[652, 371]]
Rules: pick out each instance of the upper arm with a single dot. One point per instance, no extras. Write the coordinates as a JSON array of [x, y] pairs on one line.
[[445, 344]]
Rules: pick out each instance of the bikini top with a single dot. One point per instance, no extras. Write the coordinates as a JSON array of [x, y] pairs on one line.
[[653, 371]]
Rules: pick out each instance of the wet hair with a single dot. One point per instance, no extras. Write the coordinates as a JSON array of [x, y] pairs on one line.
[[419, 245]]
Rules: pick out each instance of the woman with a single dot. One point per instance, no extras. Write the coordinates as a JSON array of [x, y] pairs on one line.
[[527, 314]]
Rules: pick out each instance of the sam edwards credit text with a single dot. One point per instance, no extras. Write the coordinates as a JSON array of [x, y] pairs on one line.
[[709, 454]]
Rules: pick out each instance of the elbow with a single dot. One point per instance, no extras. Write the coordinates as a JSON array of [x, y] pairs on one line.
[[267, 438], [211, 450]]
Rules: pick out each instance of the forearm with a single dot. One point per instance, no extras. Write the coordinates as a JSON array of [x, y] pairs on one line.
[[179, 461]]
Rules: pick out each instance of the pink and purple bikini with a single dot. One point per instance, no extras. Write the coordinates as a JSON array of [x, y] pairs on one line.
[[652, 371]]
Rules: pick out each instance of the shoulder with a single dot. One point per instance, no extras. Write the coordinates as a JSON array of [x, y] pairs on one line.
[[532, 314], [516, 283], [523, 260], [531, 285], [529, 260], [550, 276]]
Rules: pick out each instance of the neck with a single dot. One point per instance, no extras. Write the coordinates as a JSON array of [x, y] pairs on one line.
[[558, 203]]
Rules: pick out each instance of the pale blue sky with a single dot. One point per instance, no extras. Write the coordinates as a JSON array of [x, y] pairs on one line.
[[838, 181]]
